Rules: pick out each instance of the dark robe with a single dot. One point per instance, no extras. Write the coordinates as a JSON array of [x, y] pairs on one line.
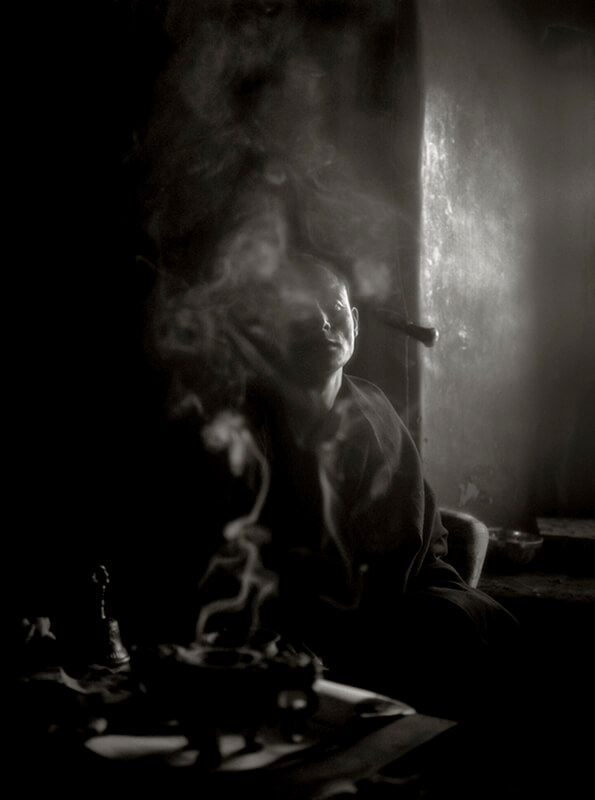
[[362, 557]]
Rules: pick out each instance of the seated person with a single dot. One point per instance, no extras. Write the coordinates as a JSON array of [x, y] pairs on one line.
[[356, 538]]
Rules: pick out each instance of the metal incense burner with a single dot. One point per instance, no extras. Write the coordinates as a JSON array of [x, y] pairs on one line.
[[213, 687]]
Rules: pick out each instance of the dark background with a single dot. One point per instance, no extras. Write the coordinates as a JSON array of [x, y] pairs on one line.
[[99, 140]]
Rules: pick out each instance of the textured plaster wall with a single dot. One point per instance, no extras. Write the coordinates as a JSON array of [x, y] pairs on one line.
[[506, 270]]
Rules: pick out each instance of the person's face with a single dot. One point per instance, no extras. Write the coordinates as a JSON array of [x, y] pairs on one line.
[[324, 336]]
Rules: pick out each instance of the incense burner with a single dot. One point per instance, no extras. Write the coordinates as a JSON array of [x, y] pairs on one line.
[[212, 690]]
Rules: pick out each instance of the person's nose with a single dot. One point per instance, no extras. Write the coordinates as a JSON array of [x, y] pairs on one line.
[[326, 324]]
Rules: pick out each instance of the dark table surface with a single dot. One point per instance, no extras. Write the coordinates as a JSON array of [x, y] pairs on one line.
[[77, 733]]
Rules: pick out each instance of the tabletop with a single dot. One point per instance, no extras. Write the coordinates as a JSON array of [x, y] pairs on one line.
[[352, 735]]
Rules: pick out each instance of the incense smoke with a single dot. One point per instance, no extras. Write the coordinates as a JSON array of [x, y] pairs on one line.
[[243, 176]]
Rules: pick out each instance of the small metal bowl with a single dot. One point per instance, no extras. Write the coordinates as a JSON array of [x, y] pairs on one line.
[[511, 547]]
